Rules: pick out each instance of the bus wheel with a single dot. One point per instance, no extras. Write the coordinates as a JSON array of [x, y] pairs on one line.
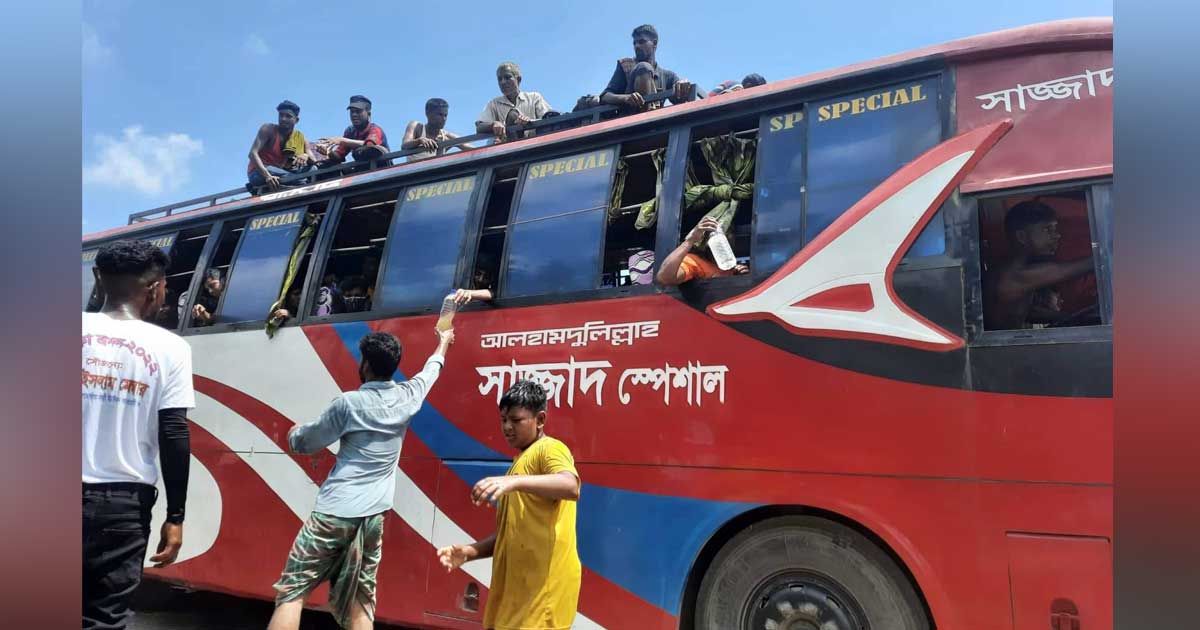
[[805, 573]]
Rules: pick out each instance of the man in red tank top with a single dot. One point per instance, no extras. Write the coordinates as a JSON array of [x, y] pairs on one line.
[[279, 150]]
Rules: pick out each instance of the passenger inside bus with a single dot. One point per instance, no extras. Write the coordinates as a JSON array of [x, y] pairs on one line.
[[1036, 284], [428, 134], [205, 309], [638, 77], [278, 150], [354, 298], [363, 140], [291, 306], [481, 287], [514, 106], [692, 260]]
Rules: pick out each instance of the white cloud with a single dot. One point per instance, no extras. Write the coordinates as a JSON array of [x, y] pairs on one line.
[[145, 163], [95, 53], [256, 46]]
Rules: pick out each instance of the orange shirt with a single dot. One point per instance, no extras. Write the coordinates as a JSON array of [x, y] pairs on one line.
[[698, 267]]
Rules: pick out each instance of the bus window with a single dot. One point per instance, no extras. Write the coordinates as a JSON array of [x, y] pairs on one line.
[[424, 243], [858, 140], [184, 249], [632, 214], [495, 228], [779, 207], [91, 293], [720, 183], [554, 246], [251, 265], [1036, 261], [351, 269]]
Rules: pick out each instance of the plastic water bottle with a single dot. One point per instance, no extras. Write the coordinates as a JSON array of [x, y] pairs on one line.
[[721, 251], [449, 308]]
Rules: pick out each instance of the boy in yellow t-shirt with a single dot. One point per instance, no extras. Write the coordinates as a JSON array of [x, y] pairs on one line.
[[535, 571]]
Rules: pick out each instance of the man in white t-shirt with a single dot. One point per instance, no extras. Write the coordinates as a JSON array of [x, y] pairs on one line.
[[137, 388]]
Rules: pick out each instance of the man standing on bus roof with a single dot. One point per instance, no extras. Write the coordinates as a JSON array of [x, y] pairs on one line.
[[514, 106], [1032, 231], [535, 568], [363, 140], [342, 540], [137, 388], [683, 264], [427, 135], [636, 78], [278, 150]]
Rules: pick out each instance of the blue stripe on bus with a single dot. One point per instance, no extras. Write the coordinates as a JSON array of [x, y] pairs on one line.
[[644, 543]]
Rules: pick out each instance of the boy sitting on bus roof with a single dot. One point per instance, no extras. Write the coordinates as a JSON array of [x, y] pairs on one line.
[[683, 264], [636, 78], [749, 81], [427, 135], [514, 106], [278, 150], [534, 586], [363, 140]]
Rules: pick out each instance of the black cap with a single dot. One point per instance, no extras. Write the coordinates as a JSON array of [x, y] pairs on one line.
[[753, 80], [288, 105], [358, 101]]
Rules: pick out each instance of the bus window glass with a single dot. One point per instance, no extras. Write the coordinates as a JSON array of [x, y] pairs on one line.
[[858, 140], [495, 230], [632, 213], [351, 269], [424, 243], [202, 309], [554, 246], [1036, 261], [91, 298], [719, 183], [779, 206]]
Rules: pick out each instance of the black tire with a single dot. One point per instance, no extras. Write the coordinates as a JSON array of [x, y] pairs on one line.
[[805, 572]]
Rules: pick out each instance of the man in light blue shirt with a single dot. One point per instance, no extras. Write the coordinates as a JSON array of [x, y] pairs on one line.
[[342, 539]]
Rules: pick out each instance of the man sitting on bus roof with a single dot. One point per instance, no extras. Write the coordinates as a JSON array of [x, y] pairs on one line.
[[278, 150], [750, 80], [636, 78], [684, 265], [363, 140], [514, 106], [427, 135], [1032, 231]]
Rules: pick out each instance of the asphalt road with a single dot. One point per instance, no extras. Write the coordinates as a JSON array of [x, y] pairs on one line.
[[162, 607]]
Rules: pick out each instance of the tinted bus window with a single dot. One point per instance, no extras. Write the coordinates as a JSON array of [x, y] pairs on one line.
[[780, 200], [352, 268], [258, 270], [424, 243], [91, 302], [1037, 263], [858, 140], [554, 246]]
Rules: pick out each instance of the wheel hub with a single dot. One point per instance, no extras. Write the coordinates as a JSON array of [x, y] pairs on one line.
[[795, 604]]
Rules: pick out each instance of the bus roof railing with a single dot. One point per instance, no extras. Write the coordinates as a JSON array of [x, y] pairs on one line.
[[552, 124]]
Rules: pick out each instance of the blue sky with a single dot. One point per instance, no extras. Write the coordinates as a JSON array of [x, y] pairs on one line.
[[174, 92]]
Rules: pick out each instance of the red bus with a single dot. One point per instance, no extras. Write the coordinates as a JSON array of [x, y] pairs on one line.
[[897, 419]]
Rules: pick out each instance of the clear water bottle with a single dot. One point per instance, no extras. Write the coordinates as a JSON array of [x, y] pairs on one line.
[[721, 250], [449, 308]]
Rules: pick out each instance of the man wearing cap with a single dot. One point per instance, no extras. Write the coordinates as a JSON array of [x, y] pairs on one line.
[[363, 139], [513, 106], [636, 78], [279, 150]]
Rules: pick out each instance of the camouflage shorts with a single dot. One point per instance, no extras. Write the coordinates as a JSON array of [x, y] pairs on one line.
[[345, 551]]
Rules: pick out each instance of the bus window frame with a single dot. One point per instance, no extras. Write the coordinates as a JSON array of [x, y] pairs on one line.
[[977, 335], [214, 233], [387, 247], [210, 250], [596, 291]]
